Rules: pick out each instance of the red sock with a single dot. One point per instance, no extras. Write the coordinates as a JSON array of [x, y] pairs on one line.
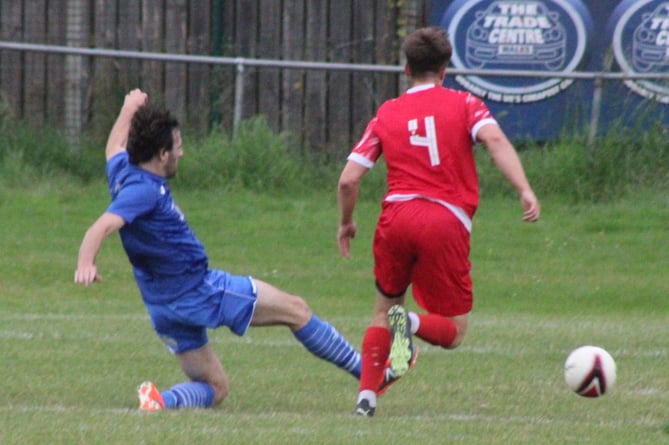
[[375, 350], [436, 330]]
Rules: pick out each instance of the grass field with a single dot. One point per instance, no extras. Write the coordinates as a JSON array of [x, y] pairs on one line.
[[585, 274]]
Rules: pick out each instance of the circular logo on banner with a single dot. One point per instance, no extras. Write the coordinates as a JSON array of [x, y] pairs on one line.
[[640, 41], [536, 35]]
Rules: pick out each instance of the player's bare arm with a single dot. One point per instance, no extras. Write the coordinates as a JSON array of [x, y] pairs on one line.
[[347, 195], [105, 225], [118, 136], [505, 157]]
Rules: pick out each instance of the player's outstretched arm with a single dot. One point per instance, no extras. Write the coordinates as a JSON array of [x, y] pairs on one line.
[[105, 225], [118, 136], [347, 195], [507, 160]]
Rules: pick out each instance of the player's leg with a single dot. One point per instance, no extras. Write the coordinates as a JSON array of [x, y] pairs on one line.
[[376, 344], [276, 307], [181, 327], [393, 258], [441, 280], [206, 372], [208, 385], [439, 330]]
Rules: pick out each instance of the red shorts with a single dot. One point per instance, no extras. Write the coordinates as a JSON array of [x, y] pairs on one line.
[[422, 243]]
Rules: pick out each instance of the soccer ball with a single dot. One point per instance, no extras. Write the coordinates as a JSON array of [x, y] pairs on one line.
[[590, 371]]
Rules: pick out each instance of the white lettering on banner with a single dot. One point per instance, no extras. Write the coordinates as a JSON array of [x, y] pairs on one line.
[[647, 93], [526, 50], [659, 23], [501, 21], [515, 98], [511, 8], [516, 36], [547, 35], [473, 88], [662, 38], [517, 23], [640, 43]]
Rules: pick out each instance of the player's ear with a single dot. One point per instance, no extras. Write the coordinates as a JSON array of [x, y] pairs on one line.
[[407, 70]]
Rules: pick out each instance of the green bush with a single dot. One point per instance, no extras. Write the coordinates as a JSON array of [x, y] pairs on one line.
[[256, 158], [29, 155], [624, 160]]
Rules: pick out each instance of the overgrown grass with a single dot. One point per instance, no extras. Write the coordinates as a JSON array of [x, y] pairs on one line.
[[623, 161], [620, 163], [257, 159]]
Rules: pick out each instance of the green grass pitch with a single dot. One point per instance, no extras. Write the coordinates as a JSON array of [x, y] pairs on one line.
[[585, 274]]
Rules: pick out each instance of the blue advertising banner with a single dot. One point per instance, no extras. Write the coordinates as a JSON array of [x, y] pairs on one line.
[[559, 36]]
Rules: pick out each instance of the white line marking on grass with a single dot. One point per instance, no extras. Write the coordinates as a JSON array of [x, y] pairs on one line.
[[67, 317], [36, 336], [27, 409], [488, 419], [18, 335], [533, 323], [535, 420], [472, 347]]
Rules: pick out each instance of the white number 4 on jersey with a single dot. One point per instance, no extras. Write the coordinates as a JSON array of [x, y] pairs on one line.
[[429, 140]]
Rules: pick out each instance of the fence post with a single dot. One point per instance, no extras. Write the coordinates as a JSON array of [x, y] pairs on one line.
[[75, 72], [596, 110], [239, 94], [410, 19], [594, 116]]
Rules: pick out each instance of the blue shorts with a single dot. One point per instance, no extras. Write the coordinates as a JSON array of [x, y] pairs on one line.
[[221, 300]]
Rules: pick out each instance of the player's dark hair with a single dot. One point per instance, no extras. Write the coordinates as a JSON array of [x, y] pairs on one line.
[[427, 50], [150, 132]]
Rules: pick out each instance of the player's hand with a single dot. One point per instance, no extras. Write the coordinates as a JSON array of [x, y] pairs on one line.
[[135, 99], [531, 206], [345, 233], [86, 275]]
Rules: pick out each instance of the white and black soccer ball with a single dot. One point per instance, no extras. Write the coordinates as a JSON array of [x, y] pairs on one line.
[[590, 371]]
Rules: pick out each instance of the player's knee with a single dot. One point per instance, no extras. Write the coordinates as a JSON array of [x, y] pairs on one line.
[[300, 309], [455, 343], [221, 390], [461, 323], [293, 311]]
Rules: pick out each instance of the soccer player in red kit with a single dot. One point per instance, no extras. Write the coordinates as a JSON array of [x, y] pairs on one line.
[[423, 233]]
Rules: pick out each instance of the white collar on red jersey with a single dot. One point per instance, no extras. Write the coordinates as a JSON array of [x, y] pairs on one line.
[[423, 87]]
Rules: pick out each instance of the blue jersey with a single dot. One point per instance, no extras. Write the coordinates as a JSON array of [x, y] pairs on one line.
[[167, 258]]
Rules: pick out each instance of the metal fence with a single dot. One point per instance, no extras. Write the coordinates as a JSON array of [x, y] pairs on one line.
[[319, 108], [242, 65]]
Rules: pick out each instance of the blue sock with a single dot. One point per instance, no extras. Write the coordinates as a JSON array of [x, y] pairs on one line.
[[189, 395], [324, 341]]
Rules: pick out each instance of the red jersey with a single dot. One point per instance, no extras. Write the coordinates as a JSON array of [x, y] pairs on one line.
[[427, 137]]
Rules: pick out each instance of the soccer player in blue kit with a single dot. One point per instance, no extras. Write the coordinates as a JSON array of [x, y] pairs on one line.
[[182, 295]]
